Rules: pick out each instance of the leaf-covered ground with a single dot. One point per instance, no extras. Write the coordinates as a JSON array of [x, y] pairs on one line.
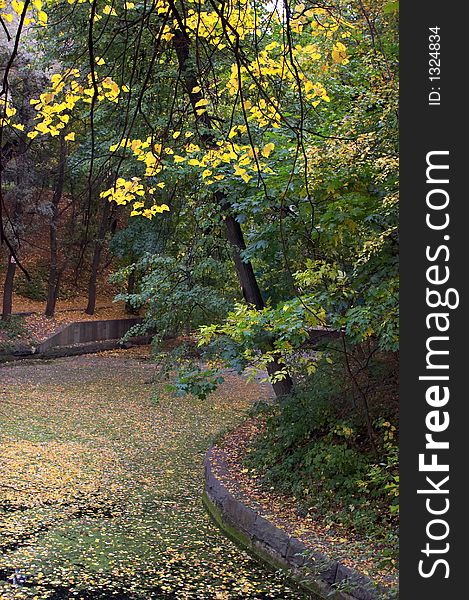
[[36, 327], [100, 488], [365, 555]]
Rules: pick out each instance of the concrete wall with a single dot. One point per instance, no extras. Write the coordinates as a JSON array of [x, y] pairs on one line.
[[314, 572], [83, 332]]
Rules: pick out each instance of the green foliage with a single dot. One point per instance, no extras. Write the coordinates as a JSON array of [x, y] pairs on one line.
[[14, 326], [177, 294], [315, 448], [13, 329], [257, 337], [33, 288], [196, 381], [181, 373]]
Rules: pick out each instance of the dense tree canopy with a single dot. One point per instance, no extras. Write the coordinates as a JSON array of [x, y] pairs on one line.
[[280, 117]]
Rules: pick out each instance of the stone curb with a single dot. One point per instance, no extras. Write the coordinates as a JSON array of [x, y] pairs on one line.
[[313, 572]]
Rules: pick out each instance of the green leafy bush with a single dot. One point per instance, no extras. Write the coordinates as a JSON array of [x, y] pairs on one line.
[[34, 288], [13, 329], [315, 447], [196, 381]]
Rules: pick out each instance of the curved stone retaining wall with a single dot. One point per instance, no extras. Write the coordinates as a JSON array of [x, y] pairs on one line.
[[81, 337], [313, 572], [82, 332]]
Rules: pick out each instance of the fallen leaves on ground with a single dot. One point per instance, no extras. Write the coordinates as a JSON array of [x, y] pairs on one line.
[[338, 544], [40, 327], [102, 494]]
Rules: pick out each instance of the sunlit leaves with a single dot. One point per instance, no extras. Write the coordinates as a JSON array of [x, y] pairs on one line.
[[32, 13], [56, 106], [282, 71], [252, 330], [339, 53], [126, 191]]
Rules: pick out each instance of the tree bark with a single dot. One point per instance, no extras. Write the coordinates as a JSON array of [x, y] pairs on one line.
[[13, 245], [55, 273], [234, 233], [8, 289], [98, 247]]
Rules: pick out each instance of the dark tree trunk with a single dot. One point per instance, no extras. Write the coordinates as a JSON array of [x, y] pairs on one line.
[[53, 283], [13, 245], [8, 289], [252, 295], [130, 290], [98, 248], [245, 272], [54, 278]]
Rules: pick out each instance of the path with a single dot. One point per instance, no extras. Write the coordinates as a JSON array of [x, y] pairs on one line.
[[100, 489]]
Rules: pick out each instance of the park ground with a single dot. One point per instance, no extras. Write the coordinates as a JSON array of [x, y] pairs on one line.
[[101, 485]]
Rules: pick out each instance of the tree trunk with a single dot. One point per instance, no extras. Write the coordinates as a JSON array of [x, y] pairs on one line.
[[13, 245], [234, 233], [98, 247], [252, 295], [8, 289], [54, 273], [52, 283], [129, 309]]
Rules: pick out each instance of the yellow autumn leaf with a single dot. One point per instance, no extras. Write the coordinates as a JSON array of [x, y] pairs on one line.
[[160, 208], [339, 53], [17, 7], [267, 149], [70, 137], [108, 10]]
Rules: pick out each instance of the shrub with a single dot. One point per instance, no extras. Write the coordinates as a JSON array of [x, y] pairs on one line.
[[315, 447]]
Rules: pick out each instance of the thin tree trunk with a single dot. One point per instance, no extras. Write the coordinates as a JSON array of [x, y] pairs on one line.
[[234, 233], [53, 283], [14, 246], [8, 289], [98, 247], [130, 290]]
